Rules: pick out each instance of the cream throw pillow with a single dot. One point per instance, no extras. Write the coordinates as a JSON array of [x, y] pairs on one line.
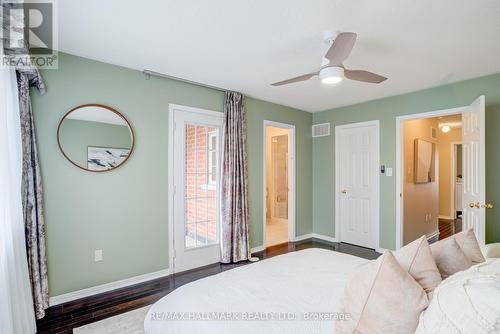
[[449, 257], [416, 258], [468, 243], [381, 297]]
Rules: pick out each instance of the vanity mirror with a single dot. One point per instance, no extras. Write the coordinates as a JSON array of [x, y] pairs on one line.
[[95, 137]]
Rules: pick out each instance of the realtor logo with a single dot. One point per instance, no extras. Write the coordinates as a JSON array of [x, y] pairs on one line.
[[29, 23]]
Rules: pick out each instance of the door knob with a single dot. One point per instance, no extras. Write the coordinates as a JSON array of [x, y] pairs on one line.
[[343, 191], [487, 206], [474, 205]]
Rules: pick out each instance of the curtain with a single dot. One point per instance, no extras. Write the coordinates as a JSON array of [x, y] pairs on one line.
[[31, 188], [31, 191], [234, 192], [16, 303]]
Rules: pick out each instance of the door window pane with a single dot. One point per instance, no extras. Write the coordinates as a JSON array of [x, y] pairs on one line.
[[201, 185]]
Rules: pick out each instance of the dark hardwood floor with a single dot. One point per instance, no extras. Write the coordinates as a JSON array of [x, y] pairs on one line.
[[63, 318]]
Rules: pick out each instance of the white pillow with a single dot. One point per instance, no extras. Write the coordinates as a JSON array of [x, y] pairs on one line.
[[467, 302]]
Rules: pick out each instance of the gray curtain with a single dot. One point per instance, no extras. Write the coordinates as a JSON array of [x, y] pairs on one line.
[[32, 194], [234, 207], [31, 187]]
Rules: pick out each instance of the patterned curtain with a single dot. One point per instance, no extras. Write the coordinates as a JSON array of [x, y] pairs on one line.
[[235, 239], [32, 194], [31, 187]]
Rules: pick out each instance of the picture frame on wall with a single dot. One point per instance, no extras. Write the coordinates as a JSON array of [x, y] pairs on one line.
[[105, 158]]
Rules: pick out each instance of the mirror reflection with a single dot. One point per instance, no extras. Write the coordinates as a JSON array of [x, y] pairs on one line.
[[95, 138]]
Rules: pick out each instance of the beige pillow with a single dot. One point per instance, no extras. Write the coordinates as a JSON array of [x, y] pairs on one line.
[[381, 297], [416, 258], [470, 246], [468, 243], [449, 257]]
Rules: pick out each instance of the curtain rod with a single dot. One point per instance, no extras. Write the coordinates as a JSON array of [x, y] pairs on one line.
[[149, 73]]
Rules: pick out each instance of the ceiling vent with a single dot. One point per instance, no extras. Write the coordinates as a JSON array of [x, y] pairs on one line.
[[321, 130]]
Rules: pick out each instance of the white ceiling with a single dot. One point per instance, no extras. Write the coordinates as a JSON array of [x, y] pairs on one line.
[[246, 45]]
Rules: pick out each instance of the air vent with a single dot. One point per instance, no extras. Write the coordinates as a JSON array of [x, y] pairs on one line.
[[321, 130]]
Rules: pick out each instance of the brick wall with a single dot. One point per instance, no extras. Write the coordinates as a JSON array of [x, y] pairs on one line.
[[200, 193]]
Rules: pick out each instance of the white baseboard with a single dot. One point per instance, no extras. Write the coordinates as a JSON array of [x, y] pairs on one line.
[[298, 238], [446, 217], [67, 297], [303, 237], [324, 237], [316, 236], [257, 249]]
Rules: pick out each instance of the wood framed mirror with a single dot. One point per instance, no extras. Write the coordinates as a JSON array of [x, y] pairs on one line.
[[95, 138]]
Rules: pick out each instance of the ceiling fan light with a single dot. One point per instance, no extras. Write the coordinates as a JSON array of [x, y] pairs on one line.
[[331, 80], [331, 75]]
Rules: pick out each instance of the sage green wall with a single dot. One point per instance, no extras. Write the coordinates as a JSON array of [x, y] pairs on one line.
[[124, 212], [386, 110], [255, 137], [77, 135]]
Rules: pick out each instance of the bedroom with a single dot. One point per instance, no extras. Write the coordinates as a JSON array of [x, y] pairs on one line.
[[109, 236]]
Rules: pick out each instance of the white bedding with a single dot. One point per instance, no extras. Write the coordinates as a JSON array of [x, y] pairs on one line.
[[289, 285]]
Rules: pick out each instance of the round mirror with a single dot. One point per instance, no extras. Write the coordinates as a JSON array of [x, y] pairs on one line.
[[95, 138]]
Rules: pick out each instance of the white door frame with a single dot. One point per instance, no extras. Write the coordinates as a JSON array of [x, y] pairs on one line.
[[171, 163], [291, 178], [338, 234], [453, 151], [399, 162]]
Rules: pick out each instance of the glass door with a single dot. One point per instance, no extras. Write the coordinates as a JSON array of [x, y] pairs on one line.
[[197, 156]]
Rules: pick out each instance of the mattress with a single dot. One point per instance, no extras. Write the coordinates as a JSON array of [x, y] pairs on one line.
[[297, 292]]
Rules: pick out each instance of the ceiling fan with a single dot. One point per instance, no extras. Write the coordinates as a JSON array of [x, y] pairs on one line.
[[332, 70]]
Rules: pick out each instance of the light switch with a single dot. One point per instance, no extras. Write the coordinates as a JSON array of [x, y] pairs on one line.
[[388, 171], [98, 255]]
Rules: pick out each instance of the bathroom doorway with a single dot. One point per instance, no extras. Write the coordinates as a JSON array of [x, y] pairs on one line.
[[278, 174]]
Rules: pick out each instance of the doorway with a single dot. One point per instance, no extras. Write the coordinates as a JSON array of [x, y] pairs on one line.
[[429, 180], [279, 183], [194, 174], [357, 161], [440, 190]]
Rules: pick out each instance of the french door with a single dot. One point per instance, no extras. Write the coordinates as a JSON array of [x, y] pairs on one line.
[[473, 168], [196, 180], [357, 183]]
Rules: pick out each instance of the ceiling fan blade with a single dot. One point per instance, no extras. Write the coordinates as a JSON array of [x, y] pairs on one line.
[[296, 79], [341, 48], [364, 76]]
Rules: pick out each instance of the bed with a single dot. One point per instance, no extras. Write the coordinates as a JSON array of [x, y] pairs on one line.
[[283, 294]]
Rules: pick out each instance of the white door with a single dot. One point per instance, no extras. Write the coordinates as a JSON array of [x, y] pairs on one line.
[[357, 163], [196, 179], [473, 168]]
